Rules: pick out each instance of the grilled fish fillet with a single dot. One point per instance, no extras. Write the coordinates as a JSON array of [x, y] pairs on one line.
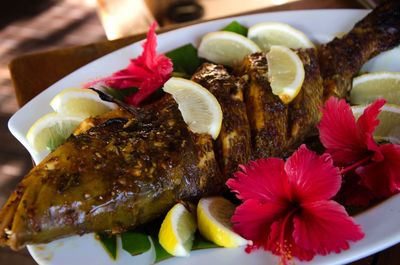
[[277, 128], [233, 145], [120, 170]]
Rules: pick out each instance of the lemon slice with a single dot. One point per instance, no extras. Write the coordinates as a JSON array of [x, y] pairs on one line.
[[80, 102], [368, 87], [285, 73], [177, 231], [227, 48], [267, 34], [213, 218], [200, 109], [51, 130], [389, 122]]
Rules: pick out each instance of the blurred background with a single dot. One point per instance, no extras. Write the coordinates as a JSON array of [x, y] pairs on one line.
[[28, 26]]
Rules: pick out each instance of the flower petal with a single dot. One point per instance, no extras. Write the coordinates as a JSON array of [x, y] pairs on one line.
[[264, 180], [253, 220], [325, 227], [383, 177], [339, 132], [312, 177], [148, 57], [148, 72], [353, 192], [288, 248], [154, 82], [368, 121]]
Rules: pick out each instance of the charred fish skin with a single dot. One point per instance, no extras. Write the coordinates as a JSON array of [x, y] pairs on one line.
[[304, 111], [277, 129], [342, 58], [233, 143], [112, 177], [266, 112]]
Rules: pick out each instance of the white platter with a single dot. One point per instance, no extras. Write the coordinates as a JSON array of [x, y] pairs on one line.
[[380, 223]]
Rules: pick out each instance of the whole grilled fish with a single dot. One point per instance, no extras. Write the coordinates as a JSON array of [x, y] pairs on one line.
[[123, 169]]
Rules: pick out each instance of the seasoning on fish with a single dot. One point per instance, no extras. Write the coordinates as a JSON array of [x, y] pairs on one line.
[[233, 143]]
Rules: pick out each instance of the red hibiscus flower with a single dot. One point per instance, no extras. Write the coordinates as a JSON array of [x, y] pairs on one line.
[[287, 208], [148, 72], [351, 145]]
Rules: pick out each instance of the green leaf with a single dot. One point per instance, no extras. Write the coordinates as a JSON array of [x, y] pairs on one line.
[[109, 242], [120, 93], [182, 75], [201, 243], [185, 59], [236, 27], [135, 242], [161, 254]]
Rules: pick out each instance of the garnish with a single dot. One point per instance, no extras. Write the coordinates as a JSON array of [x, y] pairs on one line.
[[268, 34], [135, 242], [51, 130], [227, 48], [367, 87], [236, 27], [200, 242], [352, 146], [213, 220], [148, 72], [287, 206], [161, 253], [207, 116], [285, 73], [185, 60], [177, 231], [109, 242]]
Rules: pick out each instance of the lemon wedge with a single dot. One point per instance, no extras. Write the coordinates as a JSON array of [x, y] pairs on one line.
[[200, 109], [389, 122], [71, 107], [213, 218], [51, 130], [227, 48], [285, 73], [267, 34], [177, 231], [80, 102], [368, 87]]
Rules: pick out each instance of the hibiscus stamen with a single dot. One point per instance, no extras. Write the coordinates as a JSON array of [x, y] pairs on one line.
[[355, 165], [283, 248]]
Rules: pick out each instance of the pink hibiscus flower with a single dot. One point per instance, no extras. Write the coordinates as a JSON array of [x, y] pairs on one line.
[[148, 72], [287, 208], [351, 145]]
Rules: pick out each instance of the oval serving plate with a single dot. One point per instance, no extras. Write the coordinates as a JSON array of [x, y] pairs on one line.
[[379, 223]]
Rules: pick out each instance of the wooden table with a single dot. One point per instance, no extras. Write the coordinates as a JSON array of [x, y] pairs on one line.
[[34, 72]]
